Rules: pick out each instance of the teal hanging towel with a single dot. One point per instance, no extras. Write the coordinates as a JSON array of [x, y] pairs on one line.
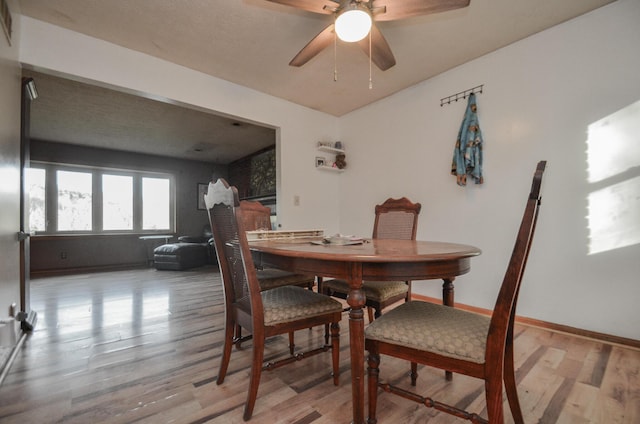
[[467, 155]]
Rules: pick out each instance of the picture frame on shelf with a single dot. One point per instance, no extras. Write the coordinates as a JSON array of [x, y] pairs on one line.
[[320, 161], [202, 190]]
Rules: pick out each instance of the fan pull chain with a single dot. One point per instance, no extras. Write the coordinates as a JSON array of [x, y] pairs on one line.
[[335, 55], [370, 72]]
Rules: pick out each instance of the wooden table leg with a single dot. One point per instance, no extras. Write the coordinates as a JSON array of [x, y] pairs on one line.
[[447, 292], [448, 300], [356, 300]]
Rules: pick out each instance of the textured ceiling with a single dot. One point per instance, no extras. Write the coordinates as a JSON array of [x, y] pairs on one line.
[[250, 42], [72, 112]]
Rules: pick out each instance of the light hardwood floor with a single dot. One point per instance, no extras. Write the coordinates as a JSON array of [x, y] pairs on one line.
[[144, 346]]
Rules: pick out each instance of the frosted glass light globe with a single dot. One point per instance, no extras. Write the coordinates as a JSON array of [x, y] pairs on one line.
[[353, 25]]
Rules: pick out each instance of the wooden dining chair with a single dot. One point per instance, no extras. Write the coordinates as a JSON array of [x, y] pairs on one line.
[[263, 313], [256, 216], [394, 219], [456, 340]]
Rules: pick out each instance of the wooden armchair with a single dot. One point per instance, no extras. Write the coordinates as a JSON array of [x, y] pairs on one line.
[[456, 340], [395, 219], [263, 313]]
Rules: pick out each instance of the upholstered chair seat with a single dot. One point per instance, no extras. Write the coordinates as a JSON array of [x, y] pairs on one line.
[[379, 292], [451, 332], [271, 278], [291, 303]]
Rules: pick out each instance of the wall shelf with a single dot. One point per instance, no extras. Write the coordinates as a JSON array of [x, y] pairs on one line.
[[327, 166], [331, 150]]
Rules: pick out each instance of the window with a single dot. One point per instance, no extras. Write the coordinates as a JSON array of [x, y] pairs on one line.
[[117, 202], [155, 204], [37, 206], [74, 199]]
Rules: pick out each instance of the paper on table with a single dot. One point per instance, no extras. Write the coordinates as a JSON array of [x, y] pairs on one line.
[[339, 239]]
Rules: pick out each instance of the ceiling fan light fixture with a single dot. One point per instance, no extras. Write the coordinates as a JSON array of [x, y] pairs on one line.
[[353, 23]]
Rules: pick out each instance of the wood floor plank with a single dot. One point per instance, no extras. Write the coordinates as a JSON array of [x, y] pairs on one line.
[[580, 404], [144, 346], [620, 389]]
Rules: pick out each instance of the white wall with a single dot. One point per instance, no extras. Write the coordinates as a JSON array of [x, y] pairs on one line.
[[52, 49], [10, 77], [540, 97]]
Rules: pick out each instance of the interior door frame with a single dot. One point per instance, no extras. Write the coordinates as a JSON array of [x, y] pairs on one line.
[[25, 159]]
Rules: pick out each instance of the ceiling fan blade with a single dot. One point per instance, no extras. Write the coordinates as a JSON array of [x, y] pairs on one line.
[[381, 53], [316, 6], [315, 46], [399, 9]]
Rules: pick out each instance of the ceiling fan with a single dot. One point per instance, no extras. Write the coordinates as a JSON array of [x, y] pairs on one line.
[[369, 11]]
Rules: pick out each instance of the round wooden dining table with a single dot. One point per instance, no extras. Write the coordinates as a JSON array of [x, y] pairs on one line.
[[376, 259]]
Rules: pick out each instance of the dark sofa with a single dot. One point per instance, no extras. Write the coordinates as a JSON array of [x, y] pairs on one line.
[[188, 252]]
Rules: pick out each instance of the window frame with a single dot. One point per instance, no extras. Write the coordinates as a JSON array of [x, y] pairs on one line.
[[51, 199]]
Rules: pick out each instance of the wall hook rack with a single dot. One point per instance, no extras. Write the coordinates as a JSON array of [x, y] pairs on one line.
[[461, 95]]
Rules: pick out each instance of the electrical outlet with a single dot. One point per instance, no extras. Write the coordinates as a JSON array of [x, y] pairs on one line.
[[296, 200], [63, 255]]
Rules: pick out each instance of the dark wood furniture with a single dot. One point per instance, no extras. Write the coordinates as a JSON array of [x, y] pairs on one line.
[[256, 216], [456, 340], [395, 219], [378, 259], [264, 313]]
